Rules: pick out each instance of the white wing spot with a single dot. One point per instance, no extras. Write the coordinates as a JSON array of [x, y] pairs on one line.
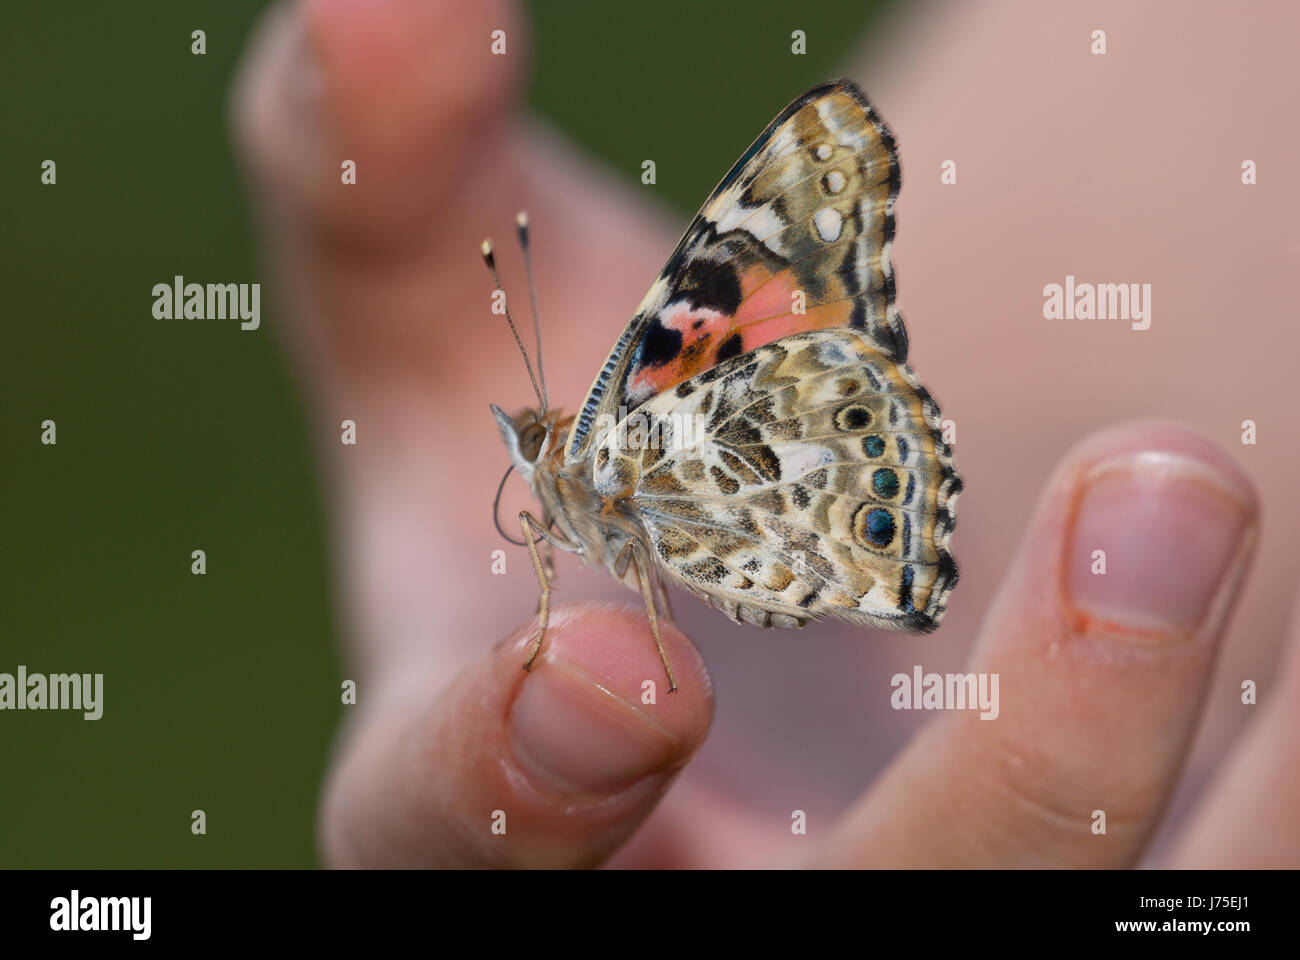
[[867, 211], [823, 151], [758, 222], [829, 223], [835, 181], [798, 459], [762, 222]]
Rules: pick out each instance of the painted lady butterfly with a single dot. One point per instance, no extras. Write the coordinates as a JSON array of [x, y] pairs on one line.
[[783, 462]]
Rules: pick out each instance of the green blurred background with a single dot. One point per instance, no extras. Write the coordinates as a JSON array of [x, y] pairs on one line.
[[222, 691]]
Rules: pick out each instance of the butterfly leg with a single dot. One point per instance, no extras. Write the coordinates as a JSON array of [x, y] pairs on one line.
[[665, 604], [527, 523], [548, 553], [633, 553]]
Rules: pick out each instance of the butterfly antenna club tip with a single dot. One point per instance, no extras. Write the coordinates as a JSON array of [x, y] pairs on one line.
[[521, 224], [490, 259]]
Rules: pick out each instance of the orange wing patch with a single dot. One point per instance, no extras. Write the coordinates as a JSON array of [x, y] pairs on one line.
[[709, 337], [768, 311]]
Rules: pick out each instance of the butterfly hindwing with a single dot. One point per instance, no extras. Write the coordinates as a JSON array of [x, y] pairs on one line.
[[806, 478], [796, 237]]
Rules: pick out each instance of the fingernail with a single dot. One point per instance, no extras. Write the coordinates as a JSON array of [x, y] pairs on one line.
[[577, 736], [1155, 537]]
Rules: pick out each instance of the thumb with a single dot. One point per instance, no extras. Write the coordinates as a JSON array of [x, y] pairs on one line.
[[555, 767]]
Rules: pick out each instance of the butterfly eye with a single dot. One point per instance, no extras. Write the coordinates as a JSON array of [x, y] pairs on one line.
[[531, 440]]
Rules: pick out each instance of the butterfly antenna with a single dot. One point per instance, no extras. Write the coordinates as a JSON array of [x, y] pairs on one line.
[[491, 262], [521, 223], [496, 510]]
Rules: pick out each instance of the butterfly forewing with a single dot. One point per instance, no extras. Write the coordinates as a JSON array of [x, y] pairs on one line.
[[796, 237]]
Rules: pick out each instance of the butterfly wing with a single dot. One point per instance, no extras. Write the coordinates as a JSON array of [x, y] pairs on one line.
[[796, 237], [807, 478]]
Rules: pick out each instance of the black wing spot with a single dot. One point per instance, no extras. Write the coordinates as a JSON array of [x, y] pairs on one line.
[[905, 602], [709, 570], [715, 286], [660, 345], [731, 347], [851, 417]]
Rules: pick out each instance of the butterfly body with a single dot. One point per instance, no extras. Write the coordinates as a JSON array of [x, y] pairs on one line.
[[756, 436], [595, 522]]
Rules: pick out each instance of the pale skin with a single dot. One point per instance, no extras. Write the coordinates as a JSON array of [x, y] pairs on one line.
[[1104, 680]]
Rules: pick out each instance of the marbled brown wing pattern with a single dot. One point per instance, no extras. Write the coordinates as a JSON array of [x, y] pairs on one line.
[[817, 484], [796, 237]]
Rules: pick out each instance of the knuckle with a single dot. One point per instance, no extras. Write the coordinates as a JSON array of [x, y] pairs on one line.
[[1042, 802]]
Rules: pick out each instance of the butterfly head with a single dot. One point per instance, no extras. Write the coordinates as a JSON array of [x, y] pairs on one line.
[[530, 437]]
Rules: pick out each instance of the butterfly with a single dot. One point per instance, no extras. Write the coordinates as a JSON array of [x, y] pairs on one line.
[[756, 436]]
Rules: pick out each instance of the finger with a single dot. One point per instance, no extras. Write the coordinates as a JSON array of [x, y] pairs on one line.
[[564, 761], [1251, 813], [1100, 676], [408, 91], [361, 256], [380, 275]]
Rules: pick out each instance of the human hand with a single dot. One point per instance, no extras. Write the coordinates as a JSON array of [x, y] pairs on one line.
[[1102, 676]]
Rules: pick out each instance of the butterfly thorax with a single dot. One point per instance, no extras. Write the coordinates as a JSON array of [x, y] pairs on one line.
[[597, 519]]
